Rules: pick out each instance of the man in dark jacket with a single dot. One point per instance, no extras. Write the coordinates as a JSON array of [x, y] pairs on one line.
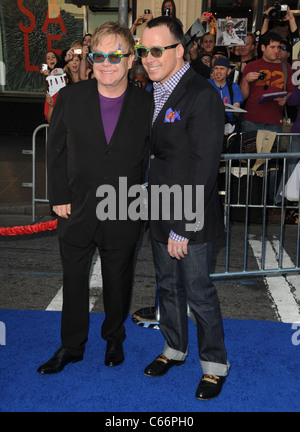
[[98, 134], [186, 145]]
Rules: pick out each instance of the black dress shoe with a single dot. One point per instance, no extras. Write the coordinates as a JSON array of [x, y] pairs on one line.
[[57, 363], [210, 387], [160, 366], [114, 354]]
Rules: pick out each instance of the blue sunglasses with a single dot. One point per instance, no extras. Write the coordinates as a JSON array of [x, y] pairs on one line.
[[114, 58]]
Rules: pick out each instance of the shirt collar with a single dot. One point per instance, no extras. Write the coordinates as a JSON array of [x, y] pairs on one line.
[[171, 83]]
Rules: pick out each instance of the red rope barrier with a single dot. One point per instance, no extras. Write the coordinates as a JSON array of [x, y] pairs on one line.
[[29, 229]]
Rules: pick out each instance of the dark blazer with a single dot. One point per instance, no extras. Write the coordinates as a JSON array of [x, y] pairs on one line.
[[80, 160], [187, 152]]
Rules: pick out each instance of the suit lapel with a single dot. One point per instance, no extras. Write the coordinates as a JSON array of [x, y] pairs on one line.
[[175, 97], [126, 117], [92, 99]]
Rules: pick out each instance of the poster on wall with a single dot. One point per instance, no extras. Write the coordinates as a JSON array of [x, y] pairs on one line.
[[28, 30]]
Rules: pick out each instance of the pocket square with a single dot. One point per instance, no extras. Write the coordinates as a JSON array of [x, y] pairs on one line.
[[172, 116]]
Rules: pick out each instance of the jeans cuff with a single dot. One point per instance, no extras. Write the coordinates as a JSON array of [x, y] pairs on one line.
[[173, 354], [218, 369]]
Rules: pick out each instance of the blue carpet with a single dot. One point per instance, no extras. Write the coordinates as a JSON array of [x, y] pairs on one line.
[[264, 372]]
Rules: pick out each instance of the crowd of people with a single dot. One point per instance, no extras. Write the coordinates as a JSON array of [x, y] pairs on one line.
[[246, 73], [241, 60], [154, 97]]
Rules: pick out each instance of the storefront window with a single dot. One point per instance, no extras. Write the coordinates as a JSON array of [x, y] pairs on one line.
[[28, 30]]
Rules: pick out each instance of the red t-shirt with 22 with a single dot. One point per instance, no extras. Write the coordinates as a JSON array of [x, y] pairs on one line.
[[269, 112]]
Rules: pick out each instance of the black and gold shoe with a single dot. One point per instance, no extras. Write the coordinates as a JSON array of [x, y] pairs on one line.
[[160, 366], [210, 387]]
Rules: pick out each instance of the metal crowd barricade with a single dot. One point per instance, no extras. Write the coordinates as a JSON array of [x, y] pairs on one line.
[[236, 169], [239, 165], [34, 198], [237, 195]]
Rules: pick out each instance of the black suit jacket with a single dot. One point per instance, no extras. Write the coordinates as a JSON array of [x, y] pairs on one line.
[[80, 160], [187, 152]]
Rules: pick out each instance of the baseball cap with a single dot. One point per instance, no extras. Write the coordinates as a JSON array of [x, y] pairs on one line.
[[57, 71], [222, 61]]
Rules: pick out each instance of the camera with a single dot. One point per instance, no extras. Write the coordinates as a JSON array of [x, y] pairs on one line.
[[137, 83], [279, 11], [168, 12], [262, 75], [209, 15], [44, 67], [77, 51], [147, 11]]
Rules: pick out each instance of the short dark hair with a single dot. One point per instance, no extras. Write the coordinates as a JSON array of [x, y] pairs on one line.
[[174, 27], [266, 38]]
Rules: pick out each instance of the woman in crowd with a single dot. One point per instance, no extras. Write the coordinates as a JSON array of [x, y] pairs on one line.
[[73, 69], [51, 60], [168, 7]]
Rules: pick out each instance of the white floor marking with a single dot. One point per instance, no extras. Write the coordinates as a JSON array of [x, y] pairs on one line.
[[278, 286], [95, 283]]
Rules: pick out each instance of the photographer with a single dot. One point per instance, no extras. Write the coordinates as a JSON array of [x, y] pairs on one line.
[[261, 77], [274, 13], [168, 8], [141, 19]]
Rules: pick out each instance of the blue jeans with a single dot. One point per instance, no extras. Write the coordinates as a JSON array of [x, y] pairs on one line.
[[248, 126], [187, 281]]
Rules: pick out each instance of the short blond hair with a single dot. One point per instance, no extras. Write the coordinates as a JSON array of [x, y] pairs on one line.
[[113, 28]]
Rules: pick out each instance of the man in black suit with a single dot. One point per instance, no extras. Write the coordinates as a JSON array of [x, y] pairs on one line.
[[186, 144], [98, 133]]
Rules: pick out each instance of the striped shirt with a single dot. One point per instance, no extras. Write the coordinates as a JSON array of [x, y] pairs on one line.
[[161, 94]]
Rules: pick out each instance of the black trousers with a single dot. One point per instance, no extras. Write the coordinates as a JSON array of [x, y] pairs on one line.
[[117, 275]]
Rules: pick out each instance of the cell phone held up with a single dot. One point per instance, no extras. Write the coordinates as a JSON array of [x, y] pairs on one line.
[[168, 12], [147, 11]]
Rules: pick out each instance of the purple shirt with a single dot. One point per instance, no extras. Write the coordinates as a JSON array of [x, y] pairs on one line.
[[110, 111], [294, 100]]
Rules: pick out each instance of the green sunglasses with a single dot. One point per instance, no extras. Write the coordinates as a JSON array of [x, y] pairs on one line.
[[156, 52]]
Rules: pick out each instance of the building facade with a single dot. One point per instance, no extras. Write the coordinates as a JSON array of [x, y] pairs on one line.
[[29, 28]]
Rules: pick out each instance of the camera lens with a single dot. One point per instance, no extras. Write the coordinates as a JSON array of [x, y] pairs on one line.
[[262, 75]]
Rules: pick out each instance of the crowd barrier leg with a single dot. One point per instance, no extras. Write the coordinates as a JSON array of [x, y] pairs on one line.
[[34, 198]]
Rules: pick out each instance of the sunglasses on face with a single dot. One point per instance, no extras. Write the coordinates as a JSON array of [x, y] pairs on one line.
[[283, 48], [156, 52], [114, 58]]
